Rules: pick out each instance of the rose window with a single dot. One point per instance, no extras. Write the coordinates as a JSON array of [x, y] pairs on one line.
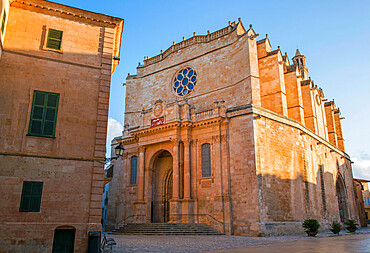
[[185, 82]]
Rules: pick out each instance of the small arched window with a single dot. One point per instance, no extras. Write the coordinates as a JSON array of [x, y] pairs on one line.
[[206, 160], [133, 170]]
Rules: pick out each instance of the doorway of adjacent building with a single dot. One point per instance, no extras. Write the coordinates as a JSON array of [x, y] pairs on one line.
[[162, 187], [342, 199], [64, 238]]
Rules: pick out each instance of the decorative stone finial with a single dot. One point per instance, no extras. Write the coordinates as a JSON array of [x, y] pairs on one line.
[[161, 51], [279, 47], [239, 19], [208, 32], [267, 36], [173, 43], [250, 26], [194, 34], [229, 22], [183, 38]]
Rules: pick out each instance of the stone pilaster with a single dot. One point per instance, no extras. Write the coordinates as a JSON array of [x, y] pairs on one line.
[[187, 169], [176, 170], [140, 196]]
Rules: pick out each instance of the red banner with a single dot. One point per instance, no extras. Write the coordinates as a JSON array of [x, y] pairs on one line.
[[157, 122]]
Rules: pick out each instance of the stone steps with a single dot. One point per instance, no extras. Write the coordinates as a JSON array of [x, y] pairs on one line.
[[165, 229]]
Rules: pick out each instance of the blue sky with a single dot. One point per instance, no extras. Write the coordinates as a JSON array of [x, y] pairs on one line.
[[333, 35]]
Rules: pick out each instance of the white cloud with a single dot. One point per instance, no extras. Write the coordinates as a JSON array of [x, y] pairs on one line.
[[361, 167], [115, 129]]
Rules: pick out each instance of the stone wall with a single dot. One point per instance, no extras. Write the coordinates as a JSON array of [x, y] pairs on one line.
[[272, 162], [219, 71], [292, 188]]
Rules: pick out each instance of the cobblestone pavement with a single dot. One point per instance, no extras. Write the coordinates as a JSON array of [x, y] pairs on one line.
[[358, 243], [292, 243]]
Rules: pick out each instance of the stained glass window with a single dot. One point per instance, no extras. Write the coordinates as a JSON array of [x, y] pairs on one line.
[[185, 81]]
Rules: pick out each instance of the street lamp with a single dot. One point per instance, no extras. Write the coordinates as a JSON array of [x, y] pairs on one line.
[[119, 152]]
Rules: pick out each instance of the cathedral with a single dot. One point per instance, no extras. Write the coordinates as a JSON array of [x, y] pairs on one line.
[[223, 130]]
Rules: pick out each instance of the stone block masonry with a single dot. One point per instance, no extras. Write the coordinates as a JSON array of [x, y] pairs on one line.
[[249, 148], [69, 162]]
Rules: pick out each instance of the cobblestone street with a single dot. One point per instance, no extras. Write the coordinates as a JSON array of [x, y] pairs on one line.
[[323, 242]]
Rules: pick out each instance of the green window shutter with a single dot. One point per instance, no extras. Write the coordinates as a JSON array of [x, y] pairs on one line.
[[26, 197], [51, 114], [43, 114], [36, 196], [37, 113], [3, 22], [31, 196], [54, 40]]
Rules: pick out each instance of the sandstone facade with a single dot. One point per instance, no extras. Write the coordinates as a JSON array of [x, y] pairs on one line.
[[360, 186], [363, 200], [69, 164], [249, 145]]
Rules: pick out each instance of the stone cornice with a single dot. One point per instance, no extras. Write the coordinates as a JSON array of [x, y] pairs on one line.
[[89, 159], [147, 130], [127, 140], [193, 40], [169, 126], [231, 113], [46, 58], [68, 10], [210, 121]]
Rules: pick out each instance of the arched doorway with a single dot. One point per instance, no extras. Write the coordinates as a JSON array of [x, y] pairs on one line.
[[162, 187], [342, 199]]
